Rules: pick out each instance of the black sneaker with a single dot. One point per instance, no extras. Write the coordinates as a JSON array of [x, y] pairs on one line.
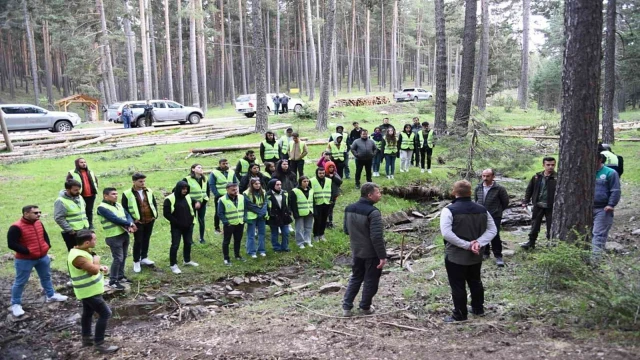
[[528, 245], [105, 348], [476, 312], [116, 286], [227, 263], [124, 280], [202, 241], [450, 319]]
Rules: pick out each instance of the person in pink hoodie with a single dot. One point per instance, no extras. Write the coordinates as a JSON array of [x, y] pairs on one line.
[[324, 158], [331, 172]]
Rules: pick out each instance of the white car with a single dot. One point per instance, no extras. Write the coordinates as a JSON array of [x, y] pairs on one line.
[[31, 117], [246, 104], [163, 110], [412, 94]]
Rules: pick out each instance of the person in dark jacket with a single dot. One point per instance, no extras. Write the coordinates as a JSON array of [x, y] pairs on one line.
[[284, 103], [232, 209], [363, 224], [466, 227], [179, 210], [254, 172], [364, 150], [282, 173], [28, 238], [269, 149], [140, 202], [148, 114], [385, 126], [278, 215], [495, 199], [540, 192], [416, 127], [243, 164], [331, 172]]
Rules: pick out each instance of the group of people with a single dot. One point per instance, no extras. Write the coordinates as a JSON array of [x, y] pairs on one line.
[[127, 115], [280, 104]]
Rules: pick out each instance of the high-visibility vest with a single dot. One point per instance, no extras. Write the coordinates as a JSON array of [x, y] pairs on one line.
[[270, 151], [111, 229], [172, 201], [305, 204], [337, 152], [390, 149], [222, 180], [76, 213], [244, 167], [84, 284], [321, 195], [300, 147], [132, 205], [233, 213], [429, 139], [285, 199], [197, 192], [76, 176], [407, 141], [259, 201], [612, 159]]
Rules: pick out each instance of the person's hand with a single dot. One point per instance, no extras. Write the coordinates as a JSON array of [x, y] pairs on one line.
[[197, 206], [96, 259], [104, 269], [382, 263], [608, 208], [475, 247]]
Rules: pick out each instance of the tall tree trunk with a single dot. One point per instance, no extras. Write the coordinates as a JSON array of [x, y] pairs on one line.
[[334, 57], [394, 48], [352, 51], [267, 35], [480, 98], [146, 71], [106, 50], [319, 43], [154, 54], [5, 132], [232, 82], [523, 88], [242, 62], [46, 40], [329, 35], [465, 91], [418, 45], [383, 51], [221, 96], [193, 58], [180, 72], [609, 96], [32, 52], [440, 125], [277, 46], [202, 56], [131, 61], [262, 117], [12, 78], [303, 47], [367, 53], [167, 35], [312, 53], [572, 215]]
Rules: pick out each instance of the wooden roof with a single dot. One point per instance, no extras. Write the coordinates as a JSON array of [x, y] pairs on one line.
[[77, 98]]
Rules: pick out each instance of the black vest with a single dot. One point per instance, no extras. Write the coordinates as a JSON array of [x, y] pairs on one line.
[[469, 223]]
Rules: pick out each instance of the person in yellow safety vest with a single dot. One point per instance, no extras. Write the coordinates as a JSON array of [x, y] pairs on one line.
[[88, 285], [425, 144], [345, 140], [88, 186], [140, 202], [243, 164], [379, 156], [284, 143], [390, 150], [279, 215], [218, 180], [198, 191], [69, 212], [232, 209], [254, 172], [256, 218], [297, 152], [612, 161], [338, 148], [117, 224], [406, 144], [269, 169], [179, 209], [301, 204], [321, 186], [269, 148]]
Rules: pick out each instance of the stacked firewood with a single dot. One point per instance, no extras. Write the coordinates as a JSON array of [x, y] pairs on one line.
[[361, 101]]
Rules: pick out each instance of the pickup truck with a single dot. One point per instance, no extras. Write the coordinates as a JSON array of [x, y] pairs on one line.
[[246, 104], [163, 110], [412, 94], [31, 117]]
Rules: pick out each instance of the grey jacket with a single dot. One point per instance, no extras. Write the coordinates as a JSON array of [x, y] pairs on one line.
[[60, 212], [363, 224], [364, 149]]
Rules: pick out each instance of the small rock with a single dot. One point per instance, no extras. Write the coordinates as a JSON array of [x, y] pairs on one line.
[[151, 298], [330, 287], [508, 252], [410, 316], [74, 318], [384, 113], [235, 293], [310, 328], [188, 300], [635, 232], [631, 219], [210, 301], [614, 246], [238, 280], [229, 288], [253, 279], [417, 214]]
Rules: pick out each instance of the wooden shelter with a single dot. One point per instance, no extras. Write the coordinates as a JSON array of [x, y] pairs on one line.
[[77, 99]]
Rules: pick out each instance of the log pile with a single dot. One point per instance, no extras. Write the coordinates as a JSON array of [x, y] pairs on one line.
[[361, 101]]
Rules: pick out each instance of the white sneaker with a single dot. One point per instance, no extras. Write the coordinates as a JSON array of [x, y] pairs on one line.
[[16, 310], [136, 267], [393, 176], [175, 269], [388, 176], [263, 254], [191, 263], [146, 261], [291, 229], [254, 256], [429, 171], [57, 297], [322, 238], [302, 246], [309, 244], [422, 171]]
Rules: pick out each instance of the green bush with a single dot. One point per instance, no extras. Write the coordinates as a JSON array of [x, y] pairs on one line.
[[426, 108], [509, 104], [307, 113]]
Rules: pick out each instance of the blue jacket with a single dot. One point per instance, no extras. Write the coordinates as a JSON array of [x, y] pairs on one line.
[[607, 191]]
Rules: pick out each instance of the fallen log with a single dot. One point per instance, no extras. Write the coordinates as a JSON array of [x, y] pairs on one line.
[[243, 147], [412, 192], [89, 142]]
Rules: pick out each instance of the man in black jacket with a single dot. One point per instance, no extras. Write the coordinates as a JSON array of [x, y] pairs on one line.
[[495, 199], [363, 224], [179, 210], [540, 191]]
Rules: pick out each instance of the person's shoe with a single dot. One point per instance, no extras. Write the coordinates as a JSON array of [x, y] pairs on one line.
[[286, 250], [175, 269], [422, 171], [190, 263], [57, 297], [301, 246], [105, 348], [16, 310], [124, 280], [202, 241], [227, 263], [357, 186], [218, 232], [330, 225], [393, 176], [146, 261], [476, 312], [485, 257], [316, 238], [499, 262], [429, 171], [322, 238], [254, 256], [368, 311], [87, 341], [528, 245], [116, 286], [239, 258], [450, 319], [291, 229], [346, 313], [309, 244], [388, 176], [263, 254], [136, 267]]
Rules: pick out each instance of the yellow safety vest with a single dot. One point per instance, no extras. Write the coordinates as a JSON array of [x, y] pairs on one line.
[[612, 159], [336, 151], [172, 201], [259, 201], [76, 213], [111, 229], [84, 284], [197, 192], [390, 149], [270, 151], [407, 141], [429, 138], [76, 176], [233, 213], [305, 204], [221, 180], [244, 167], [132, 205], [321, 195]]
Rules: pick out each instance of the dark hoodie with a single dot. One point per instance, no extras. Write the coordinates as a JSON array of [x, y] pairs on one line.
[[288, 178], [293, 201], [244, 182], [279, 213], [272, 143], [181, 217]]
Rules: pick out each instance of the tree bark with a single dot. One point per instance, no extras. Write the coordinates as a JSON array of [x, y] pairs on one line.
[[312, 53], [465, 91], [5, 132], [523, 88], [480, 99], [394, 49], [262, 117], [440, 125], [319, 43], [130, 50], [145, 53], [267, 36], [609, 96], [193, 61], [154, 54], [107, 51], [242, 61], [46, 40], [367, 53], [329, 35], [572, 214], [221, 96], [32, 52], [202, 56], [167, 35], [416, 76], [352, 51], [277, 47], [180, 72], [232, 82]]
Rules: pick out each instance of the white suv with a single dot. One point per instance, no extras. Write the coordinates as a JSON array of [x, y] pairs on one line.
[[31, 117], [246, 104], [163, 110]]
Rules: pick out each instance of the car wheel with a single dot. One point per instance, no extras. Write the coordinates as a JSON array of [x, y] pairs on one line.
[[194, 118], [249, 115], [62, 126], [297, 108], [140, 122], [415, 99]]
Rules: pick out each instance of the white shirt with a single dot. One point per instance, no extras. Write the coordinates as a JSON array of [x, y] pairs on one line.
[[446, 228]]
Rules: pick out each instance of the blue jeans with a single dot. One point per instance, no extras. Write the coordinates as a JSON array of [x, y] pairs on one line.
[[390, 164], [602, 221], [127, 122], [251, 236], [23, 272], [376, 162], [284, 245]]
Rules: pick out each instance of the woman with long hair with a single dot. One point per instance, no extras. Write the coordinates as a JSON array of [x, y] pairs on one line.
[[389, 148], [406, 144], [256, 214]]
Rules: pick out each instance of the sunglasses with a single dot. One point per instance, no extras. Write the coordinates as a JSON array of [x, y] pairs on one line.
[[36, 212]]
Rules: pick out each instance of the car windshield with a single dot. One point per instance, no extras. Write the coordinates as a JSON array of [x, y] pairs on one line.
[[115, 106], [243, 98]]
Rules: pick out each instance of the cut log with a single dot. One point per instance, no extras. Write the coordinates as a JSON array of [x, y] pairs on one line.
[[361, 101], [243, 147], [420, 193], [396, 218], [88, 142]]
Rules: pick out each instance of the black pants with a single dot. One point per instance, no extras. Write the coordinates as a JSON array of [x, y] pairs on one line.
[[459, 276], [425, 153], [415, 156], [285, 108], [229, 231], [363, 270], [496, 242], [297, 167], [200, 213], [339, 168], [141, 240], [69, 240], [367, 167], [148, 120], [91, 306], [216, 219], [320, 217], [537, 215], [331, 207], [89, 201], [176, 234]]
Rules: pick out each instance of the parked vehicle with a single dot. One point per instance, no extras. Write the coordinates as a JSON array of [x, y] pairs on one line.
[[246, 104], [31, 117], [163, 110], [412, 94]]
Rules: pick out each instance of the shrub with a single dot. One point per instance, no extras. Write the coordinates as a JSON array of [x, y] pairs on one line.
[[307, 113], [509, 104]]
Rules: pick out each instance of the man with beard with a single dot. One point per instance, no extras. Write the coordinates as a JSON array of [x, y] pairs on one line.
[[218, 180], [88, 186]]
